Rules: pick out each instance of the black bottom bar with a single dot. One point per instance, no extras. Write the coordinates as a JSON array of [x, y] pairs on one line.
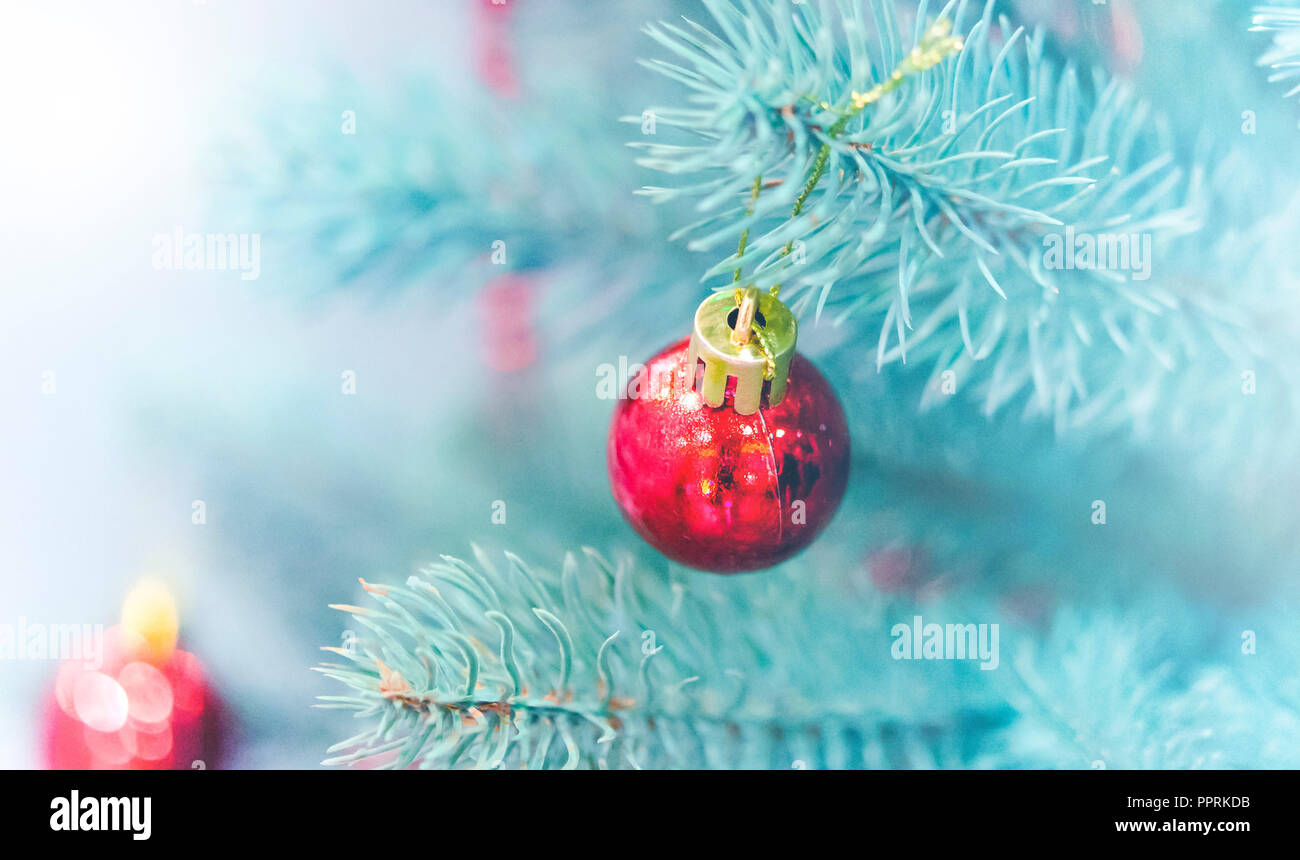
[[332, 809]]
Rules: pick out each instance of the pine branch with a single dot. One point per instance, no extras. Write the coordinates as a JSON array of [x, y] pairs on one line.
[[607, 665], [1148, 686], [436, 184], [614, 665], [940, 196], [1283, 58]]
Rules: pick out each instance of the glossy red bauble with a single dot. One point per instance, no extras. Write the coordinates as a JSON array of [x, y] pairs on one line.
[[724, 492]]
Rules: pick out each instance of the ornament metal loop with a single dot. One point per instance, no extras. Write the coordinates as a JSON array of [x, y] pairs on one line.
[[711, 342]]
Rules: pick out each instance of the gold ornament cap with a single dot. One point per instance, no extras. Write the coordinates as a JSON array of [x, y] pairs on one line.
[[754, 354]]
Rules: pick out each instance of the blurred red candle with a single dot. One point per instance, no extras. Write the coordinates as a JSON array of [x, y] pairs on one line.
[[142, 704]]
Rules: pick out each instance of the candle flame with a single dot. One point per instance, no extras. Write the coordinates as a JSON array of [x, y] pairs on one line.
[[150, 611]]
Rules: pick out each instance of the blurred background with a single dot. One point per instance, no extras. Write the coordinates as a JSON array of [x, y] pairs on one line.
[[356, 408]]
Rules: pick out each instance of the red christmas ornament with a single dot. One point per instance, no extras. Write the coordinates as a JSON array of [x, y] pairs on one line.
[[730, 453], [492, 42], [137, 702]]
